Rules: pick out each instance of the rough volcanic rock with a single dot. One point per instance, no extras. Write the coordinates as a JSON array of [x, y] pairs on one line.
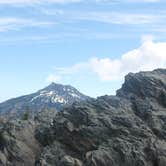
[[18, 145], [128, 129], [124, 130], [145, 85]]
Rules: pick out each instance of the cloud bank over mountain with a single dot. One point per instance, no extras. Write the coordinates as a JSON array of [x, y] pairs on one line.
[[148, 56]]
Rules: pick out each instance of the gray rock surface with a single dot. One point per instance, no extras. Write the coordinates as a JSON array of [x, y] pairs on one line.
[[18, 146], [124, 130], [128, 129]]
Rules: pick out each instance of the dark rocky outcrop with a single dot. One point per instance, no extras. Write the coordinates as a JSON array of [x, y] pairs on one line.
[[123, 130], [18, 146], [128, 129]]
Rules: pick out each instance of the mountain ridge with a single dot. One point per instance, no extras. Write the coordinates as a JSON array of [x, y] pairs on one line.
[[53, 96]]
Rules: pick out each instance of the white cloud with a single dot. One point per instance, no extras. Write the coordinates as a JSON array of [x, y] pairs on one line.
[[10, 23], [150, 55], [110, 17], [119, 18], [53, 78], [146, 38], [29, 2], [106, 68], [72, 69], [140, 1], [68, 1]]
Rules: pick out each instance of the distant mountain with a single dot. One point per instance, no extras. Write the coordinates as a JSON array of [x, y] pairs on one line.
[[54, 96]]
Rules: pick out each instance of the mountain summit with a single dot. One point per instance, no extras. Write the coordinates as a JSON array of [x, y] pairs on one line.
[[58, 94], [54, 96]]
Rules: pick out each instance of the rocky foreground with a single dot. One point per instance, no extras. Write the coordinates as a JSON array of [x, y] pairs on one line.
[[128, 129]]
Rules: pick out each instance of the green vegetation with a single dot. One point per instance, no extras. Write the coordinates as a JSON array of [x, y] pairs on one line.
[[25, 116], [2, 141], [26, 113]]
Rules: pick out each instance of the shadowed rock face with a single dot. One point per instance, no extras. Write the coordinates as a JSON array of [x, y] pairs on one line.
[[123, 130], [128, 129]]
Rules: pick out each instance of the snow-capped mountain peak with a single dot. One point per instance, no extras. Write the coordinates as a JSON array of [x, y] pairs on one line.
[[58, 93], [53, 96]]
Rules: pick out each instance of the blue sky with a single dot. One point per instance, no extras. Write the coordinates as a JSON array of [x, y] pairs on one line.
[[89, 44]]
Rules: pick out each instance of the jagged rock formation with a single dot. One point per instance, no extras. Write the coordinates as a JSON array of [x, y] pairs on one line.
[[54, 96], [18, 145], [123, 130]]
